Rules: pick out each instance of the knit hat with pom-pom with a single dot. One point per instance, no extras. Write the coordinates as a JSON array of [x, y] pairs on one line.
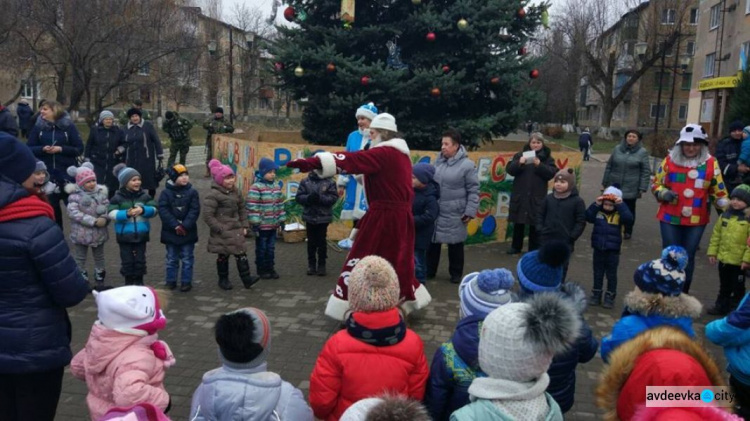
[[541, 270], [124, 174], [82, 174], [482, 292], [518, 340], [373, 285], [665, 275], [219, 171]]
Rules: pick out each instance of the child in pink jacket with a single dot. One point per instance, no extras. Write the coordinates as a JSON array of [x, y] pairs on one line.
[[124, 361]]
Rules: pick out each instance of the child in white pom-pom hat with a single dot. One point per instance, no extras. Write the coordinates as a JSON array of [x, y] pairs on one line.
[[123, 362], [516, 347], [456, 363], [608, 214]]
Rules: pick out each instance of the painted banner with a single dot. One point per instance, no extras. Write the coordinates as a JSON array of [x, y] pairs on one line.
[[495, 185]]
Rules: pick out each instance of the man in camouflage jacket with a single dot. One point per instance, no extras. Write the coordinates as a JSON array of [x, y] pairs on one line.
[[178, 129], [217, 124]]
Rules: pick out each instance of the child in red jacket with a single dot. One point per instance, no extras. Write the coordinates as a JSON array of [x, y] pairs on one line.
[[376, 353]]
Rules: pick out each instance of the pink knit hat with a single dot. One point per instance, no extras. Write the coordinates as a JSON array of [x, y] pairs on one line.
[[219, 171], [83, 174], [373, 285]]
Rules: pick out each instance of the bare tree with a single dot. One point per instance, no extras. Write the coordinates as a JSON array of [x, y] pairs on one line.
[[251, 21], [606, 39], [560, 74]]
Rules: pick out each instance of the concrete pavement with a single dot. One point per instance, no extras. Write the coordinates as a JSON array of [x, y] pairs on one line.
[[295, 305]]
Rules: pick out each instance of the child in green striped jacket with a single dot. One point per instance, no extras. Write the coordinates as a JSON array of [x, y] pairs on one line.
[[265, 210]]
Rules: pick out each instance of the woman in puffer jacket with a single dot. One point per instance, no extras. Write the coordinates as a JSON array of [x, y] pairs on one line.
[[375, 354], [40, 280]]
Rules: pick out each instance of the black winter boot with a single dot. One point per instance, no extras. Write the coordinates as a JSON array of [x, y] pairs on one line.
[[99, 276], [243, 266], [609, 300], [721, 308], [138, 280], [129, 280], [322, 268], [222, 268], [311, 266], [596, 298]]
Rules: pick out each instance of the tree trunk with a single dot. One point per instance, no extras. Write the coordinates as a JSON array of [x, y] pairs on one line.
[[606, 118], [61, 77]]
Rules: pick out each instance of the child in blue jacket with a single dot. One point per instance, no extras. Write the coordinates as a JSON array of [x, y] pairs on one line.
[[657, 300], [179, 208], [456, 362], [425, 209], [733, 333], [608, 214], [131, 208]]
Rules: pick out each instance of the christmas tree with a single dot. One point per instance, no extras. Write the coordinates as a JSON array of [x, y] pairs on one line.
[[433, 64], [739, 104]]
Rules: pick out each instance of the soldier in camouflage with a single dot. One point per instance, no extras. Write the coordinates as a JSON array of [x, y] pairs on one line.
[[217, 124], [177, 128]]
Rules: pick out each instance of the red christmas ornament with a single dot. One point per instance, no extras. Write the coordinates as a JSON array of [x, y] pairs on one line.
[[495, 80], [430, 37], [522, 51], [330, 68], [365, 80], [521, 13], [435, 92], [290, 14], [534, 74], [279, 66], [446, 68]]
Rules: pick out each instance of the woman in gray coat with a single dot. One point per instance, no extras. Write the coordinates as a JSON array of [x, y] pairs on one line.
[[629, 167], [459, 199]]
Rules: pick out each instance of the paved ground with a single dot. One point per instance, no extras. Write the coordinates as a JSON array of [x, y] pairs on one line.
[[295, 305]]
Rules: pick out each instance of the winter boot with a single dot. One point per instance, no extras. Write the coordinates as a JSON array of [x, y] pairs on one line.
[[273, 274], [138, 280], [243, 266], [609, 300], [311, 270], [99, 275], [596, 298], [721, 308], [186, 287], [322, 268], [129, 280], [222, 268]]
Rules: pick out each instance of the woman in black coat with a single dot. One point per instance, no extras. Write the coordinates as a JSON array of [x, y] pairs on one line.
[[531, 177], [142, 149], [102, 150]]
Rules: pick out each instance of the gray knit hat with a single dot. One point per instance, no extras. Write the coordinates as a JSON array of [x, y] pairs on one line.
[[482, 292], [518, 340], [124, 174], [105, 114]]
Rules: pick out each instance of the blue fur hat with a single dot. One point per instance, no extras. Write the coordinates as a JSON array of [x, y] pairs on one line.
[[542, 270], [368, 111], [265, 165], [665, 275], [482, 292]]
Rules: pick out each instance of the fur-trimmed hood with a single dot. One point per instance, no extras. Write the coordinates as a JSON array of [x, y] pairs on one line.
[[100, 190], [648, 304], [622, 363]]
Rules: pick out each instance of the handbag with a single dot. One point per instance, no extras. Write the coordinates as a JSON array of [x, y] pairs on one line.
[[160, 172]]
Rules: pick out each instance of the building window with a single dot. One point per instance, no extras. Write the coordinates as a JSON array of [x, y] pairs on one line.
[[690, 48], [146, 94], [682, 112], [664, 77], [708, 66], [662, 110], [144, 69], [583, 94], [668, 16], [687, 81], [744, 53], [713, 23], [693, 16], [27, 89], [747, 7], [669, 48]]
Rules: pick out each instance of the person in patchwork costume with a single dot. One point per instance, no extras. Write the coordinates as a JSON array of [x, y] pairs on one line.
[[686, 182], [657, 300], [456, 363]]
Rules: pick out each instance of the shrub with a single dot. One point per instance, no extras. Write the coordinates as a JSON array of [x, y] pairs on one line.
[[658, 144], [555, 132]]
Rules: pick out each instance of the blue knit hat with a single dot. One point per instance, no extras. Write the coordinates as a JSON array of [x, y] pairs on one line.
[[368, 111], [16, 160], [736, 126], [265, 165], [424, 172], [482, 292], [541, 270], [124, 174], [665, 275]]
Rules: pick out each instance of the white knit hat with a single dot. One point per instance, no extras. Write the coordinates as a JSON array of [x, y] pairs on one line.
[[518, 340], [130, 307], [384, 121], [613, 192], [373, 285]]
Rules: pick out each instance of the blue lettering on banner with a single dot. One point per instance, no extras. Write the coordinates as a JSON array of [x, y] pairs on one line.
[[281, 156]]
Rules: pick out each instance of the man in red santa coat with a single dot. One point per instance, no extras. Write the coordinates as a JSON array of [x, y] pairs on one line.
[[387, 229]]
